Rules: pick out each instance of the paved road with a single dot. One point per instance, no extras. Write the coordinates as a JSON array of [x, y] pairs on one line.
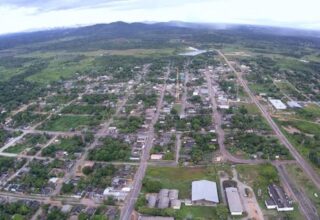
[[133, 196], [312, 174]]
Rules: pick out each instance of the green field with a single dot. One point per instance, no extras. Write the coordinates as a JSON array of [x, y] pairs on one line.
[[180, 177], [58, 69], [68, 123]]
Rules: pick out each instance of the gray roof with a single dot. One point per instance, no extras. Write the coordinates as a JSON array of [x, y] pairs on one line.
[[234, 201], [163, 203], [204, 190]]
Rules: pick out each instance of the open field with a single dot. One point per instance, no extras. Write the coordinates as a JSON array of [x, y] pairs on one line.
[[68, 123]]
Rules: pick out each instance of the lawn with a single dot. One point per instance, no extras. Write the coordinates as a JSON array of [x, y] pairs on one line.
[[180, 177], [68, 123]]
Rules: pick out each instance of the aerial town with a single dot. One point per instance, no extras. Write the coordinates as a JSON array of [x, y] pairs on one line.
[[158, 134]]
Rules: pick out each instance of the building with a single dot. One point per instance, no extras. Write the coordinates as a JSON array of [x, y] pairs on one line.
[[156, 156], [204, 192], [277, 104], [234, 202], [294, 104], [163, 202], [278, 199], [152, 200]]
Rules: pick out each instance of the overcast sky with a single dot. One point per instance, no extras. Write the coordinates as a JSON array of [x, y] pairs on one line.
[[20, 15]]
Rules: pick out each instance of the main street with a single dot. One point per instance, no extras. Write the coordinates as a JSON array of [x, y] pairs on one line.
[[133, 196]]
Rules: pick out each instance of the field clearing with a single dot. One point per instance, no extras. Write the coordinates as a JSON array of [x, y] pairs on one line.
[[68, 123], [58, 70], [6, 73]]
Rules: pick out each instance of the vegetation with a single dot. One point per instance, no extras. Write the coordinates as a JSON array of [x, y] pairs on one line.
[[68, 123], [70, 145], [111, 150]]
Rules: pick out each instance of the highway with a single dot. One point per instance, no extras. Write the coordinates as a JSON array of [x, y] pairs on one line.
[[133, 195]]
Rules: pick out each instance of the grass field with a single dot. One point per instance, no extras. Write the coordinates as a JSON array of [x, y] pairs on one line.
[[305, 184], [68, 123], [57, 70], [180, 178]]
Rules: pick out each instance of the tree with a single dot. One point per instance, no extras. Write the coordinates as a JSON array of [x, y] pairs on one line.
[[152, 186]]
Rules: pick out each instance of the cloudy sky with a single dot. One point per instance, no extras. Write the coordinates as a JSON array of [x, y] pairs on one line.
[[20, 15]]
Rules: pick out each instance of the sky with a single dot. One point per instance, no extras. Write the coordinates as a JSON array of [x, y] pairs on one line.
[[26, 15]]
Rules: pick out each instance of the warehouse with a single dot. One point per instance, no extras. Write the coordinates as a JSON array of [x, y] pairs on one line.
[[278, 199], [234, 202], [204, 192], [277, 104]]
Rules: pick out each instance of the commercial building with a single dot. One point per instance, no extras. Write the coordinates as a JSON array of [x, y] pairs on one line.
[[278, 199], [204, 192], [277, 104], [234, 202]]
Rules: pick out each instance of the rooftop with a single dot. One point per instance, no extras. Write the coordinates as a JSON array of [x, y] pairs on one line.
[[204, 190]]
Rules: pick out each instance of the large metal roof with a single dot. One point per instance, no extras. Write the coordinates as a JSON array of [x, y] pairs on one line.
[[204, 190]]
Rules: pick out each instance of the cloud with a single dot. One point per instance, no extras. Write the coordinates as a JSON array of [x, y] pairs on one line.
[[56, 5]]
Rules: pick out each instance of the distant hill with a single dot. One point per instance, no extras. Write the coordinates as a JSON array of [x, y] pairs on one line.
[[144, 31]]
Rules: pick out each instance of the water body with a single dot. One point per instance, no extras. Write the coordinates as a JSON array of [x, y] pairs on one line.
[[192, 52]]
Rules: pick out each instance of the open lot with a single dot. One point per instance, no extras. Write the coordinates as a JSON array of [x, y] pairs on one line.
[[68, 123]]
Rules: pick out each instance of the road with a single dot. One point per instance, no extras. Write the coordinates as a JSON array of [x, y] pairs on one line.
[[217, 118], [133, 195], [301, 161], [304, 203]]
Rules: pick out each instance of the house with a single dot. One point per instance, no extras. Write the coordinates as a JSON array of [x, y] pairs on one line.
[[156, 156], [204, 192], [278, 199], [234, 202]]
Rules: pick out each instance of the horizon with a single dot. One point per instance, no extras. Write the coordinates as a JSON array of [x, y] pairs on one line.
[[27, 15], [217, 26]]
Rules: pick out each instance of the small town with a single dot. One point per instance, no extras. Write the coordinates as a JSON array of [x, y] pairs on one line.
[[159, 121]]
